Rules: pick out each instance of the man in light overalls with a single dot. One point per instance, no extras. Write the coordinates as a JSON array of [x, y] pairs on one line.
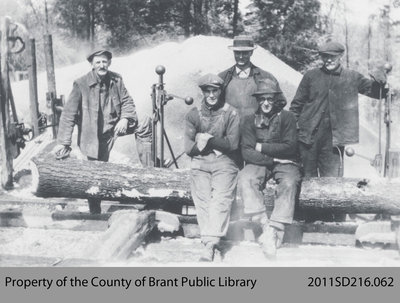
[[212, 140]]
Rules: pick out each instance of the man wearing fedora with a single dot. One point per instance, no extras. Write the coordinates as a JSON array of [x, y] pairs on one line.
[[102, 108], [240, 80], [326, 109], [212, 141], [269, 148]]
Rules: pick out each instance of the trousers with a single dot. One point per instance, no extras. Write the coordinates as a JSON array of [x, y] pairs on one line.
[[213, 182], [252, 182]]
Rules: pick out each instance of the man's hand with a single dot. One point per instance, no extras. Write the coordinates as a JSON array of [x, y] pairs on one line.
[[202, 140], [63, 152], [379, 75], [258, 147], [121, 127]]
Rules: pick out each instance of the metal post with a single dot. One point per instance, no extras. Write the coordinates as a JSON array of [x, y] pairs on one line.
[[51, 79], [154, 125], [33, 93], [388, 134], [161, 99]]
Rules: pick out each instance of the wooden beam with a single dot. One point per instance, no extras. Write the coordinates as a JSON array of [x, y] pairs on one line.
[[5, 119], [33, 92]]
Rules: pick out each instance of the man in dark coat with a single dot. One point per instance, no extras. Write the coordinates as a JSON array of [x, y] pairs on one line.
[[326, 109], [240, 80], [269, 148], [102, 108]]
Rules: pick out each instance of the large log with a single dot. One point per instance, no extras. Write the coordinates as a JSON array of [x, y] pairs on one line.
[[156, 187]]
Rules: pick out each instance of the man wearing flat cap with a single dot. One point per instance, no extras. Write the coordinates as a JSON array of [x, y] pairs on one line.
[[326, 109], [269, 148], [211, 140], [240, 80], [103, 109]]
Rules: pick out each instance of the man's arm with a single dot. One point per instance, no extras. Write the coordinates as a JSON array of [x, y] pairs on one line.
[[230, 141], [69, 116], [190, 134], [128, 109], [248, 143], [301, 98], [373, 87], [288, 145]]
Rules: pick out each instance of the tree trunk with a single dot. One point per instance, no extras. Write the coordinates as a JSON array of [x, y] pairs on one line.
[[235, 16], [161, 187]]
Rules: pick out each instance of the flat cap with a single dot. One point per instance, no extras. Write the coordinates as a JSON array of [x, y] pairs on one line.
[[242, 43], [267, 86], [331, 48], [210, 80], [98, 53]]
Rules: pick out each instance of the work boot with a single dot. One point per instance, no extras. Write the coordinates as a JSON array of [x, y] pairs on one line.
[[270, 241], [207, 255]]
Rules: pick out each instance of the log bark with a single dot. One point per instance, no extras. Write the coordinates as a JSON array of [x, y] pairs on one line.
[[157, 187]]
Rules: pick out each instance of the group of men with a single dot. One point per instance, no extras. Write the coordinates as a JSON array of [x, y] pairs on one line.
[[239, 138]]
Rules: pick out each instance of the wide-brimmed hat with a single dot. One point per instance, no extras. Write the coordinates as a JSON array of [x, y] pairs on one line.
[[242, 43], [98, 53], [210, 80], [267, 86], [331, 48]]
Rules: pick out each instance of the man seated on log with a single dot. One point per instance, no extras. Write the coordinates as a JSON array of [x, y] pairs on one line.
[[326, 110], [212, 140], [269, 148], [103, 109]]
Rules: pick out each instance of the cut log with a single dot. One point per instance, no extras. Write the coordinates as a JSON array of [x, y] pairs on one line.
[[126, 233], [157, 187]]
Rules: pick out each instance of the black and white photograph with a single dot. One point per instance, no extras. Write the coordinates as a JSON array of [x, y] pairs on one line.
[[200, 133]]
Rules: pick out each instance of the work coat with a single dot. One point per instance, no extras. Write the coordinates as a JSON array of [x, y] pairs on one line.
[[333, 93], [82, 108]]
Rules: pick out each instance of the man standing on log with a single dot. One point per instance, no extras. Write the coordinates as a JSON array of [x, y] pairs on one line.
[[103, 109], [269, 148], [212, 140], [240, 80], [326, 109]]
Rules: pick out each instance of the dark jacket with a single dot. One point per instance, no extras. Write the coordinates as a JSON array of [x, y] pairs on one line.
[[255, 72], [278, 138], [335, 94], [82, 108], [222, 123]]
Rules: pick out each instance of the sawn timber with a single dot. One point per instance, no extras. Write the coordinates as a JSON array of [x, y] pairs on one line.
[[157, 187]]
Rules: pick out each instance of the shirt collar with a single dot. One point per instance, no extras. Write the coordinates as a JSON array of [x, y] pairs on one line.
[[262, 121], [245, 73]]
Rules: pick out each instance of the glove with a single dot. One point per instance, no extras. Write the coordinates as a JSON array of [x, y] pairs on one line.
[[379, 76], [202, 140], [63, 152]]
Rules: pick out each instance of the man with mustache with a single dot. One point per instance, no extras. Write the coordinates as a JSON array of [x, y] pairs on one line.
[[326, 109], [211, 140], [269, 148], [103, 109]]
